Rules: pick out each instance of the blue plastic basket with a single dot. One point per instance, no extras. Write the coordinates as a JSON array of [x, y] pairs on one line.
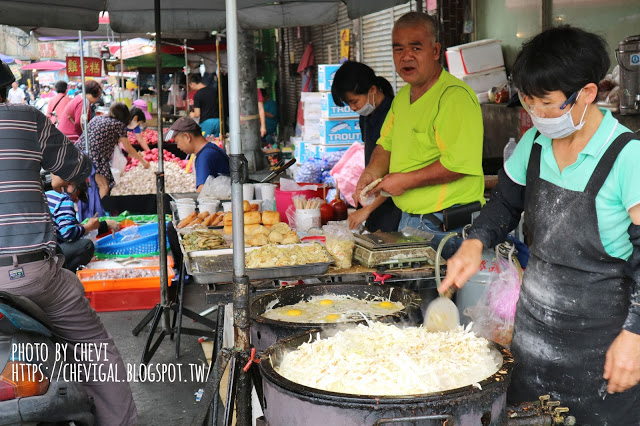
[[146, 244]]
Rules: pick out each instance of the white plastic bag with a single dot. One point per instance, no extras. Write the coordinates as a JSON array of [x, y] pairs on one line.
[[340, 243], [217, 188], [118, 163]]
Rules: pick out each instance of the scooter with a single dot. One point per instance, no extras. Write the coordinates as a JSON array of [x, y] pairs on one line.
[[31, 391]]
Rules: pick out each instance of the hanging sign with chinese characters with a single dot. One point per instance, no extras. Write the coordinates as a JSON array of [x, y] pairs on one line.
[[92, 67]]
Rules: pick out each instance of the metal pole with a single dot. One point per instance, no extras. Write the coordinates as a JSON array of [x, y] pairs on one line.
[[220, 103], [173, 92], [122, 97], [186, 76], [241, 321], [164, 289], [85, 102]]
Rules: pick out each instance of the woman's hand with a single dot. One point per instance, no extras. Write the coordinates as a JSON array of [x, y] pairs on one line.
[[463, 265], [144, 163], [622, 365], [357, 217], [103, 185]]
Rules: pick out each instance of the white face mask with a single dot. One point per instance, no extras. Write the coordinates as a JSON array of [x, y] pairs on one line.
[[558, 127], [367, 108]]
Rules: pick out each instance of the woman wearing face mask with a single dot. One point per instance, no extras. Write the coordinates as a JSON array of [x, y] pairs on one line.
[[137, 116], [575, 175], [356, 85]]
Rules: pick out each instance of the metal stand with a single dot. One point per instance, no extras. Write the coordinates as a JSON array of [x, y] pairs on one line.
[[179, 310]]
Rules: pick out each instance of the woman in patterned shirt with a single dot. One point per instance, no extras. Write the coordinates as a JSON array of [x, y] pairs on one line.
[[105, 132]]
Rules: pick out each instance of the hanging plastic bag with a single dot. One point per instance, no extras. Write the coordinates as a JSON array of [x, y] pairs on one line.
[[340, 243], [348, 171], [118, 163], [493, 316], [218, 188]]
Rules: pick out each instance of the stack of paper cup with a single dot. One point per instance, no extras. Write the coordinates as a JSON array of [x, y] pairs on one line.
[[268, 196], [185, 207], [247, 191]]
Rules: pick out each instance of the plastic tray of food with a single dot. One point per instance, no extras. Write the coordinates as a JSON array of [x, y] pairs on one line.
[[209, 267], [122, 279]]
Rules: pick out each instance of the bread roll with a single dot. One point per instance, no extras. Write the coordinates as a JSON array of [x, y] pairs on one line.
[[270, 218], [249, 229], [254, 208], [258, 240], [203, 215], [281, 227], [246, 206], [260, 230], [228, 229], [275, 237], [217, 220], [209, 219], [187, 220], [291, 238], [251, 218], [228, 219], [196, 221]]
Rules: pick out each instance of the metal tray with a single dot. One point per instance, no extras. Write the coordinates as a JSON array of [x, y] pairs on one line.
[[216, 266]]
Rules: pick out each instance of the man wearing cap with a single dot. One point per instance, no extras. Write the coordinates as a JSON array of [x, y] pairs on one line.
[[205, 105], [29, 265], [69, 232], [211, 160]]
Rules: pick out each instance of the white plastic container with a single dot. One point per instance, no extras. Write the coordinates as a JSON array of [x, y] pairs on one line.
[[477, 56], [226, 207], [210, 206], [483, 81], [247, 191], [267, 191], [185, 210], [307, 219]]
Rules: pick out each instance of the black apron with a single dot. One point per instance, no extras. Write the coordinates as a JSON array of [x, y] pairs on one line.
[[573, 301]]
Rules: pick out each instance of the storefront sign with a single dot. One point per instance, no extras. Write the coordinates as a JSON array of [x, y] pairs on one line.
[[92, 67], [47, 50]]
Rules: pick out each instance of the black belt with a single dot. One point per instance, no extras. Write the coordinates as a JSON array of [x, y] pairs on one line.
[[24, 258]]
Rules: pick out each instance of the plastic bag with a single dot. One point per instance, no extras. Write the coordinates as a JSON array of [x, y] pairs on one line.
[[339, 243], [129, 233], [348, 170], [218, 188], [493, 316], [118, 163]]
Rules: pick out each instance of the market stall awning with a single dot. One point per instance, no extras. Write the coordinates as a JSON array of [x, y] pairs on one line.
[[149, 61], [128, 16], [44, 66]]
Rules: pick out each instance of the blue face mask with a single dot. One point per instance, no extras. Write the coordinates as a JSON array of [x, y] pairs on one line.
[[558, 127], [368, 108]]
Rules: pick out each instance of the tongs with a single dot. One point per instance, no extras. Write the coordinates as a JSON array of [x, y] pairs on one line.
[[281, 167]]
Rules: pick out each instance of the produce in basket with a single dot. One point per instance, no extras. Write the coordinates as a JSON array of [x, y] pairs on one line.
[[124, 273], [139, 181]]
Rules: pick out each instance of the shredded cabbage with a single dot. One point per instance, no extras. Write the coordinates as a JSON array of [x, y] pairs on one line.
[[383, 359]]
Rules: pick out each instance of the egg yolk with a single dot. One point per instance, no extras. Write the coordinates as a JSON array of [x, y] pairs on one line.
[[386, 305], [294, 312], [326, 302], [332, 317]]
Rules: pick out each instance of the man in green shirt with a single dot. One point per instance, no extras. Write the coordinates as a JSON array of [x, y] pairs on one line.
[[430, 149]]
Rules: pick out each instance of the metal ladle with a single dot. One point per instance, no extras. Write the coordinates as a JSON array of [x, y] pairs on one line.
[[442, 314]]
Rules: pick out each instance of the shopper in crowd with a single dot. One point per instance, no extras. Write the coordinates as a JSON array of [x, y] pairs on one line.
[[575, 175], [58, 103], [46, 92], [205, 105], [136, 118], [16, 95], [105, 133], [429, 154], [77, 250], [269, 113], [29, 247], [356, 85], [70, 121]]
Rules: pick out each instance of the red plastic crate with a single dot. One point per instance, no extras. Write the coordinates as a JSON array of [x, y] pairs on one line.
[[123, 300]]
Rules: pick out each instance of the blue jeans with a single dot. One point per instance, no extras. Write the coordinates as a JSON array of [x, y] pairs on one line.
[[424, 224], [211, 127]]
